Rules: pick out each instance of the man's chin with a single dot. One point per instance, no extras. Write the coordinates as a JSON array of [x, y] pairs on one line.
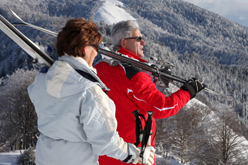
[[141, 55]]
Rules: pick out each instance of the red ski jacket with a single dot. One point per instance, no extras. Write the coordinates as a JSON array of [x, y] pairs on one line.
[[132, 89]]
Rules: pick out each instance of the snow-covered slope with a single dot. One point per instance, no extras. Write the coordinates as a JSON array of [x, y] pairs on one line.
[[111, 11], [9, 158]]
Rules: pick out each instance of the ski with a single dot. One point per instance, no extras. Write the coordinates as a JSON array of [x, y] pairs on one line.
[[41, 60], [155, 70], [31, 25]]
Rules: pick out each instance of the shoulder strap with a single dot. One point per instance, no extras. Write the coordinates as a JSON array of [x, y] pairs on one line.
[[89, 77], [86, 75]]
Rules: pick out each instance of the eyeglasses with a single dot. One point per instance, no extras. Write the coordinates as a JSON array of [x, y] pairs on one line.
[[138, 38], [95, 46]]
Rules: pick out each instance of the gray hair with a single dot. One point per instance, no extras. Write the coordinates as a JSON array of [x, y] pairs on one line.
[[122, 30]]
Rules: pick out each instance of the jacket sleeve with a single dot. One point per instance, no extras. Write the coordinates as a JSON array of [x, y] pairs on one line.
[[143, 92], [99, 123]]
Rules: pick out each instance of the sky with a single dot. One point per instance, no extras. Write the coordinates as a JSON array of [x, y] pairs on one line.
[[234, 10]]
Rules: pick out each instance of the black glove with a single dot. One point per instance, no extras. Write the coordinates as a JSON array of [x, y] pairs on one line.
[[193, 86]]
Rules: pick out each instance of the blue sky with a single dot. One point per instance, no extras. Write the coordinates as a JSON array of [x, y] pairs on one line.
[[234, 10]]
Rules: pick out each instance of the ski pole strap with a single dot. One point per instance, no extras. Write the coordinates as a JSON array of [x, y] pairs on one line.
[[146, 134], [139, 129], [147, 130]]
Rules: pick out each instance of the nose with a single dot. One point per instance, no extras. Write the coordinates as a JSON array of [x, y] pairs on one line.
[[142, 42]]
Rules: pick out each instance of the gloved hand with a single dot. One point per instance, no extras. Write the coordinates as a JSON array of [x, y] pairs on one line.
[[133, 154], [148, 156], [193, 86]]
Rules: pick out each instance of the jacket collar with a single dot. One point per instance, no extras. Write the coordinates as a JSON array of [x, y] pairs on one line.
[[80, 64], [130, 54], [77, 62]]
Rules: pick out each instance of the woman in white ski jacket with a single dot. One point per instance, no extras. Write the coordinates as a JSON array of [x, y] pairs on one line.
[[76, 119]]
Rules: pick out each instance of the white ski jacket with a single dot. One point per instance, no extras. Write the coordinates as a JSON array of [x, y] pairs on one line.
[[76, 118]]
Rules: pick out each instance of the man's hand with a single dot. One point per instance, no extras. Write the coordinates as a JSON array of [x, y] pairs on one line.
[[193, 86]]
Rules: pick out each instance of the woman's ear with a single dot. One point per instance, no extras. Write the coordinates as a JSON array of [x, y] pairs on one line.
[[84, 51], [123, 43]]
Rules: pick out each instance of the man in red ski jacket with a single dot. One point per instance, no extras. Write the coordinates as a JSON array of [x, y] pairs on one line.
[[132, 89]]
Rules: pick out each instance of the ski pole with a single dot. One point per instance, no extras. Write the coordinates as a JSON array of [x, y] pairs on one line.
[[145, 139]]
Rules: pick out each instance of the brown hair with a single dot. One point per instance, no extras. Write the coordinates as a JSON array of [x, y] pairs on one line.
[[77, 34]]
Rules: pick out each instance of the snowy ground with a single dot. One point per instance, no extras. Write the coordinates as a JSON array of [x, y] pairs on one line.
[[9, 158]]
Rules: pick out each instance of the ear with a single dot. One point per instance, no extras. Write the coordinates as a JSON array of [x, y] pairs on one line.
[[123, 43]]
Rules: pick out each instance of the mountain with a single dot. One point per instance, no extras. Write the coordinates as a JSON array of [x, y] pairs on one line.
[[111, 12], [198, 42], [178, 24], [188, 28]]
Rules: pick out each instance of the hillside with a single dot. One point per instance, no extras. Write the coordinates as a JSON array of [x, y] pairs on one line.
[[187, 28], [211, 47]]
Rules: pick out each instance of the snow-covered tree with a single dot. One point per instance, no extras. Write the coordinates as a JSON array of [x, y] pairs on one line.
[[182, 135], [17, 114], [226, 138]]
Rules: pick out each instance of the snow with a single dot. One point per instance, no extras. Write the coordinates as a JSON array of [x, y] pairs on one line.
[[111, 11], [168, 161], [9, 158]]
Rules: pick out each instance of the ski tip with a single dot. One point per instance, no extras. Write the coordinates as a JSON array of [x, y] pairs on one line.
[[14, 14], [219, 94]]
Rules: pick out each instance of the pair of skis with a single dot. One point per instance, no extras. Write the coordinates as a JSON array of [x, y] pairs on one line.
[[43, 60], [40, 58]]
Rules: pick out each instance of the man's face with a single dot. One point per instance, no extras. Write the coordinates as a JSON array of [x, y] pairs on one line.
[[133, 45]]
